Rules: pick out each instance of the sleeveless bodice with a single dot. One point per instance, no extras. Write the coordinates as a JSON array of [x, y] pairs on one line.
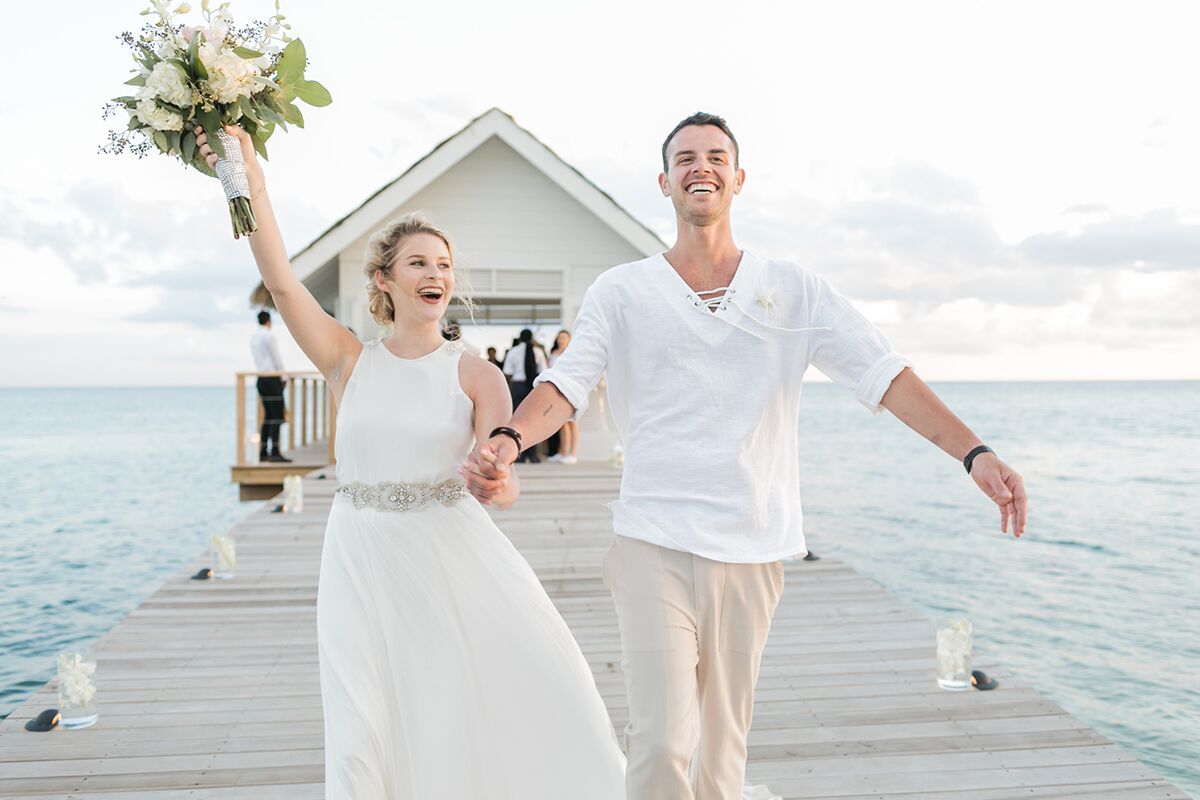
[[403, 419]]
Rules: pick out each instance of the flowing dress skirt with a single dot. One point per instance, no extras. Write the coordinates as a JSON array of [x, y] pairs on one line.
[[446, 672]]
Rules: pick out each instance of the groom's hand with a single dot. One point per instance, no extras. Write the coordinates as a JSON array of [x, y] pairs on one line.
[[487, 469], [1005, 487]]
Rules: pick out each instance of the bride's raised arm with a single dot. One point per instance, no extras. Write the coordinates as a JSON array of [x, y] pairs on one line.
[[326, 342]]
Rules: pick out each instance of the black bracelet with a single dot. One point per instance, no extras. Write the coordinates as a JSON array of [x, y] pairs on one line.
[[970, 457], [511, 433]]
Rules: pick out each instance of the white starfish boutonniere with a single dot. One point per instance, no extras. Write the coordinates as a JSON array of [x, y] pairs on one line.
[[766, 298]]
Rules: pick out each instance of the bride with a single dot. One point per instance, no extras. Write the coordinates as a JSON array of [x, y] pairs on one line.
[[446, 672]]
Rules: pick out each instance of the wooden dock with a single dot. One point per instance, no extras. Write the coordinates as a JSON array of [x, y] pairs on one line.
[[209, 689]]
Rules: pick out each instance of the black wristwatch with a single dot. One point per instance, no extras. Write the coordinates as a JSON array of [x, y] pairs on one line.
[[970, 457], [511, 433]]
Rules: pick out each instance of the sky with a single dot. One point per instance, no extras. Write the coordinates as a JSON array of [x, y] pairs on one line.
[[1008, 189]]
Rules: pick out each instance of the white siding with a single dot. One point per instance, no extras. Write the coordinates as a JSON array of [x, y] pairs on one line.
[[504, 214]]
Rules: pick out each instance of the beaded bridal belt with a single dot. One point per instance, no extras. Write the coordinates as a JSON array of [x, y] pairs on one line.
[[393, 496]]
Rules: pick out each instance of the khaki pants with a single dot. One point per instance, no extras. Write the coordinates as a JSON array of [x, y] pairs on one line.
[[692, 635]]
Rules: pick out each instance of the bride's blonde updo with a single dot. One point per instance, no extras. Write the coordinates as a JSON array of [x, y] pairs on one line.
[[381, 252]]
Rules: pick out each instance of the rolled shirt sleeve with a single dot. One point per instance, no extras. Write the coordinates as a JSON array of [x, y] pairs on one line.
[[580, 367], [851, 351]]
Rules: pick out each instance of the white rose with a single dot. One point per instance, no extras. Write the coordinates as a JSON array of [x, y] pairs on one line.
[[231, 77], [157, 117], [167, 82]]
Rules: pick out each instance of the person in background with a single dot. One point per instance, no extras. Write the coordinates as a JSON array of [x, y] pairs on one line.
[[265, 351], [568, 436], [493, 360], [522, 364]]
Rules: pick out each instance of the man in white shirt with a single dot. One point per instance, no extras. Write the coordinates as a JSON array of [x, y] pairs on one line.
[[522, 364], [709, 501], [265, 351]]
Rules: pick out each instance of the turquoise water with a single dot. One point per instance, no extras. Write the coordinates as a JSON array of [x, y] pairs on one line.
[[1098, 606], [105, 492]]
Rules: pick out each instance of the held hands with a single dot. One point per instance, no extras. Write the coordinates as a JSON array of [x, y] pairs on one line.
[[1005, 487], [254, 171], [487, 470]]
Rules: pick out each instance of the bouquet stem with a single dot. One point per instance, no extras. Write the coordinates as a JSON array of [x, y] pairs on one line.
[[242, 216], [232, 171]]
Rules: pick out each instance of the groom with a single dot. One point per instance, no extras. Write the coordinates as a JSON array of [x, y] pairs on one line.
[[705, 347]]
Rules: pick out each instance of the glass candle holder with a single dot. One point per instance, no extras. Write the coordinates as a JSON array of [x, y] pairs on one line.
[[954, 654], [224, 554], [76, 692]]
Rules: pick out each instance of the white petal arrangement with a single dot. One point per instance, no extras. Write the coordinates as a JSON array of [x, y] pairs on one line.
[[766, 298], [293, 494], [954, 655], [76, 692], [212, 75], [618, 456], [224, 557]]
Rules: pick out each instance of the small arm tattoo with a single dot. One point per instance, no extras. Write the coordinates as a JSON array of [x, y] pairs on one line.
[[549, 408]]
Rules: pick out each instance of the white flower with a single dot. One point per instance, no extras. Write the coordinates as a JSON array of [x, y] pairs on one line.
[[74, 679], [225, 551], [167, 83], [157, 117], [229, 75], [766, 298]]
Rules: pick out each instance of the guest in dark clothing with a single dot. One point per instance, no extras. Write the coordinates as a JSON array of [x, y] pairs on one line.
[[265, 350], [522, 365]]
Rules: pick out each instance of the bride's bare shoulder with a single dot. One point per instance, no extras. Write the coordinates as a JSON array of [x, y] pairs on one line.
[[476, 373]]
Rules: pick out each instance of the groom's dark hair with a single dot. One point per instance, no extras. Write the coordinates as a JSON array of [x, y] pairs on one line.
[[701, 118]]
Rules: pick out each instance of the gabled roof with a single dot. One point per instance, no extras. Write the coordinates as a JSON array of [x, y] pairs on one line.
[[380, 206]]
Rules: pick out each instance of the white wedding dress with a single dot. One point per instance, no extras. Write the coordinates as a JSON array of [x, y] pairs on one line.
[[446, 672]]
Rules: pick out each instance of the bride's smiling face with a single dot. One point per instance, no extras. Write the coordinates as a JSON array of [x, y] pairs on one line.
[[420, 279]]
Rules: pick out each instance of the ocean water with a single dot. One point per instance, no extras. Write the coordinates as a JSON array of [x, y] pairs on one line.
[[106, 491]]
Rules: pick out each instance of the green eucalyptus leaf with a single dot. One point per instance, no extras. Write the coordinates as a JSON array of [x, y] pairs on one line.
[[194, 57], [263, 80], [260, 146], [211, 123], [160, 139], [313, 93], [291, 63], [187, 146], [136, 80], [271, 115], [246, 52], [200, 164], [173, 138], [292, 114]]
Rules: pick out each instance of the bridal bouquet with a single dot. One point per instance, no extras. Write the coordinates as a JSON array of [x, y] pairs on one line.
[[213, 75]]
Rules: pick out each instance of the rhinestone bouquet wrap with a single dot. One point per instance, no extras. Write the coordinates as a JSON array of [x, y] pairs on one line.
[[232, 171]]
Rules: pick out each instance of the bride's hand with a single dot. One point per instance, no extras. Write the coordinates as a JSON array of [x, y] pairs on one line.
[[487, 475], [254, 171]]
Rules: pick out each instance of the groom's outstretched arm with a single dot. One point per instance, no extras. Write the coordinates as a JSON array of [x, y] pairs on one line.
[[916, 405]]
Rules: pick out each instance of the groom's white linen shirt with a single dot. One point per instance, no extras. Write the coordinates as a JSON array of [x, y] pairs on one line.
[[708, 403]]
